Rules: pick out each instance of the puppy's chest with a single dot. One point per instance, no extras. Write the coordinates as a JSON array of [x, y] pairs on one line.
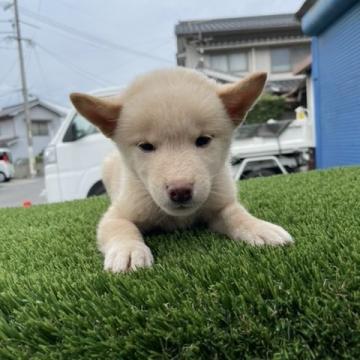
[[167, 223], [172, 223]]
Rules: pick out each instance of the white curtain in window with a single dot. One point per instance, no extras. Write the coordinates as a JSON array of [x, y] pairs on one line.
[[238, 62], [280, 60], [219, 62], [298, 54]]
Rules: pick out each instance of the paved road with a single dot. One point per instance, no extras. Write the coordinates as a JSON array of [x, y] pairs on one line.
[[14, 192]]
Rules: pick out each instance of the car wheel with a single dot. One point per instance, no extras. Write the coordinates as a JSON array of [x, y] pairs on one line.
[[259, 173], [2, 177], [97, 189]]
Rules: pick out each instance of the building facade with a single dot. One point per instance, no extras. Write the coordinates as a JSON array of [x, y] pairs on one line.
[[228, 49], [335, 27], [45, 120]]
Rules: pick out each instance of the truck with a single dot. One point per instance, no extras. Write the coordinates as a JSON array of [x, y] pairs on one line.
[[273, 147]]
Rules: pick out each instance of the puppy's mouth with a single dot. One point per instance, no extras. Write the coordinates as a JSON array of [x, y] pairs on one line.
[[181, 209], [183, 206]]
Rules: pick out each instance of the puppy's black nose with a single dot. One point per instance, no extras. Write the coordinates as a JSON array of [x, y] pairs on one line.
[[180, 194]]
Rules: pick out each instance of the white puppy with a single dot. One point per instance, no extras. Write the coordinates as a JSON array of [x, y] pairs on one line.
[[173, 130]]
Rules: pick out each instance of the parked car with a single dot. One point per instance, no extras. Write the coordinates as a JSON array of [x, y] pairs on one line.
[[6, 165], [74, 156], [274, 147]]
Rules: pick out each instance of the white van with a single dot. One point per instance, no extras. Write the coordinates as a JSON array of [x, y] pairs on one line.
[[74, 156]]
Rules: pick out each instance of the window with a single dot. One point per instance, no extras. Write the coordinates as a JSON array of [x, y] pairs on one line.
[[219, 62], [284, 59], [238, 62], [280, 60], [79, 128], [235, 63], [298, 54], [39, 128]]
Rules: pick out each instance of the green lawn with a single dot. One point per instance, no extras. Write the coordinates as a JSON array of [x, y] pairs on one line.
[[205, 298]]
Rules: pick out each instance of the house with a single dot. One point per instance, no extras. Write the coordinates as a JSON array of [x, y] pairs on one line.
[[335, 70], [45, 120], [228, 49]]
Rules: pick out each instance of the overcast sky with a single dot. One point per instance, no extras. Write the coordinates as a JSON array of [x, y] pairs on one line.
[[83, 45]]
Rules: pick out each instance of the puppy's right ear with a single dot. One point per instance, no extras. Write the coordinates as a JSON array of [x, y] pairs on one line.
[[238, 98], [100, 112]]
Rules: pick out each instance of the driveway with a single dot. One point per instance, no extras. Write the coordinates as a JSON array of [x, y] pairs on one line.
[[15, 192]]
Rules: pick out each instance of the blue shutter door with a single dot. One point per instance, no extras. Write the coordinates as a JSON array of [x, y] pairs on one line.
[[338, 91]]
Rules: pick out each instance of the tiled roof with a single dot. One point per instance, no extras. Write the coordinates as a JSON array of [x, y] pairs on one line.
[[15, 109], [303, 67], [6, 142], [274, 85], [251, 23]]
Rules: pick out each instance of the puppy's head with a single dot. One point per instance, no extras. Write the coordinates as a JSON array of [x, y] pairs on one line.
[[174, 129]]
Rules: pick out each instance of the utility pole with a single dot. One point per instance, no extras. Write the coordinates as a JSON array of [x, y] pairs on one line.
[[25, 93]]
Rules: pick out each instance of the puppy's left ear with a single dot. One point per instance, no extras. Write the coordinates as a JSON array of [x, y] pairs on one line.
[[238, 98]]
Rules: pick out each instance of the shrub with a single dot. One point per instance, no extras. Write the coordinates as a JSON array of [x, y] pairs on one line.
[[268, 107]]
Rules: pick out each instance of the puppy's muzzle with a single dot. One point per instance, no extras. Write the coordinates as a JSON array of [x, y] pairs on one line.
[[180, 192]]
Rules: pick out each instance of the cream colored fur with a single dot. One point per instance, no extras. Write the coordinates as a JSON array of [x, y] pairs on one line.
[[171, 109]]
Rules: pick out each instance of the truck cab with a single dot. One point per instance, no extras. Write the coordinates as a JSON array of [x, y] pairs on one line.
[[74, 157]]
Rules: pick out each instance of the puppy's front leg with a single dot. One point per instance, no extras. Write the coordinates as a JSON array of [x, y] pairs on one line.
[[122, 244], [235, 222]]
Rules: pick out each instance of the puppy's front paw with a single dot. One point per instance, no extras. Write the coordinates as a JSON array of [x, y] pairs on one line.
[[260, 232], [122, 257]]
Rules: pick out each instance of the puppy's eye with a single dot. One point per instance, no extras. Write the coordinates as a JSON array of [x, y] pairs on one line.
[[203, 141], [146, 147]]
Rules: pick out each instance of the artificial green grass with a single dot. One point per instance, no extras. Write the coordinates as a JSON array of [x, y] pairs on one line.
[[206, 297]]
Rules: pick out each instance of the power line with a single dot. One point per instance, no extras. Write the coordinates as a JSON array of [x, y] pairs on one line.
[[10, 92], [89, 37], [71, 6], [30, 24], [90, 15], [65, 62], [43, 77], [119, 66], [8, 72], [83, 11], [72, 35], [39, 6]]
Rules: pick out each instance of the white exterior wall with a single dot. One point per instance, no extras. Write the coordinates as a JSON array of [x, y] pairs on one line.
[[311, 105], [6, 129], [259, 59], [19, 148], [192, 57], [262, 60]]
